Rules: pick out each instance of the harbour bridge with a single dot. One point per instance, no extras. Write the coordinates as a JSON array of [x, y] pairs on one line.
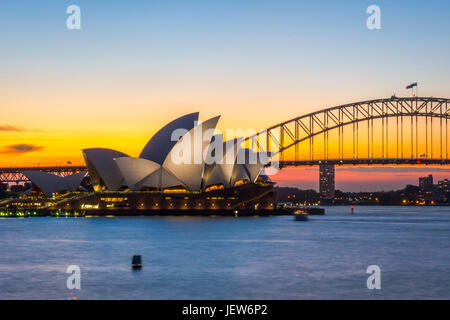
[[384, 131], [393, 131]]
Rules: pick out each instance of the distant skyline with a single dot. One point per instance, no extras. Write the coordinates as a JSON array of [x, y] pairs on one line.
[[361, 178], [136, 65]]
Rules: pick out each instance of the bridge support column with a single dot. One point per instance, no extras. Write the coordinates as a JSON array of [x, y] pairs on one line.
[[326, 182]]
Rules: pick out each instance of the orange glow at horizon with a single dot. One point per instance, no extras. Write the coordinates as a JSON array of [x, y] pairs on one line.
[[361, 178]]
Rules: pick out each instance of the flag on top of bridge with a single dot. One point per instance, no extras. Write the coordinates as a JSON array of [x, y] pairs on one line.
[[412, 85]]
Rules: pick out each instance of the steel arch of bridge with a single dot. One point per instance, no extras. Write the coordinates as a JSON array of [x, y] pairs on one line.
[[15, 175], [278, 138]]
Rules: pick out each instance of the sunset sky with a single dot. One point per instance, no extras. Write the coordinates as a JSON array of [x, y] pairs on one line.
[[136, 65]]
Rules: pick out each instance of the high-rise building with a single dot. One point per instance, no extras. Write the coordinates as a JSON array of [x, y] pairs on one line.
[[444, 186], [326, 181], [426, 183]]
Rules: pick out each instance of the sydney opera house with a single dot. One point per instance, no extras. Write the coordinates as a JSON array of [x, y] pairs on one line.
[[184, 169]]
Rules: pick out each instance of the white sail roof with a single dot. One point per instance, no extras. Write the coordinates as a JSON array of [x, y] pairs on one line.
[[135, 169], [239, 173], [161, 179], [102, 167], [73, 181], [185, 161], [161, 143], [249, 164], [139, 173], [45, 181], [51, 183], [222, 171]]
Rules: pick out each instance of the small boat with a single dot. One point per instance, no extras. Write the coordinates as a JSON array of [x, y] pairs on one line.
[[301, 215], [136, 262]]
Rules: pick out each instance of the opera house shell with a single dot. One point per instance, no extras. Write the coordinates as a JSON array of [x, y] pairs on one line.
[[184, 166], [156, 169], [50, 183]]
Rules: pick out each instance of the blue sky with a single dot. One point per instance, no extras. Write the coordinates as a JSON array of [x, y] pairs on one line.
[[317, 44]]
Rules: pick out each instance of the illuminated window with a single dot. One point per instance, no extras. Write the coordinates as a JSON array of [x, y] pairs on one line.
[[214, 187]]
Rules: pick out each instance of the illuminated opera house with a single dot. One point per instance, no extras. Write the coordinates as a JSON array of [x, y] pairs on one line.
[[175, 173]]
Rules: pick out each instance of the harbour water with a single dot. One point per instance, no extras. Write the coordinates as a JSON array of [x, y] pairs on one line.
[[231, 258]]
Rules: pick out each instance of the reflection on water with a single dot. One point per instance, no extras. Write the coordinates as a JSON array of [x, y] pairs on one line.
[[229, 258]]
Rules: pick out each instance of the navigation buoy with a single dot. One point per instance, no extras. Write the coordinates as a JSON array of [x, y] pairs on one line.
[[136, 262]]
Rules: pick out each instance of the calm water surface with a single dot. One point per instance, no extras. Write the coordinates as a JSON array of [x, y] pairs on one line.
[[228, 258]]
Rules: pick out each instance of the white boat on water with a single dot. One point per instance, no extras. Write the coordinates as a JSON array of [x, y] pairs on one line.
[[301, 215]]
